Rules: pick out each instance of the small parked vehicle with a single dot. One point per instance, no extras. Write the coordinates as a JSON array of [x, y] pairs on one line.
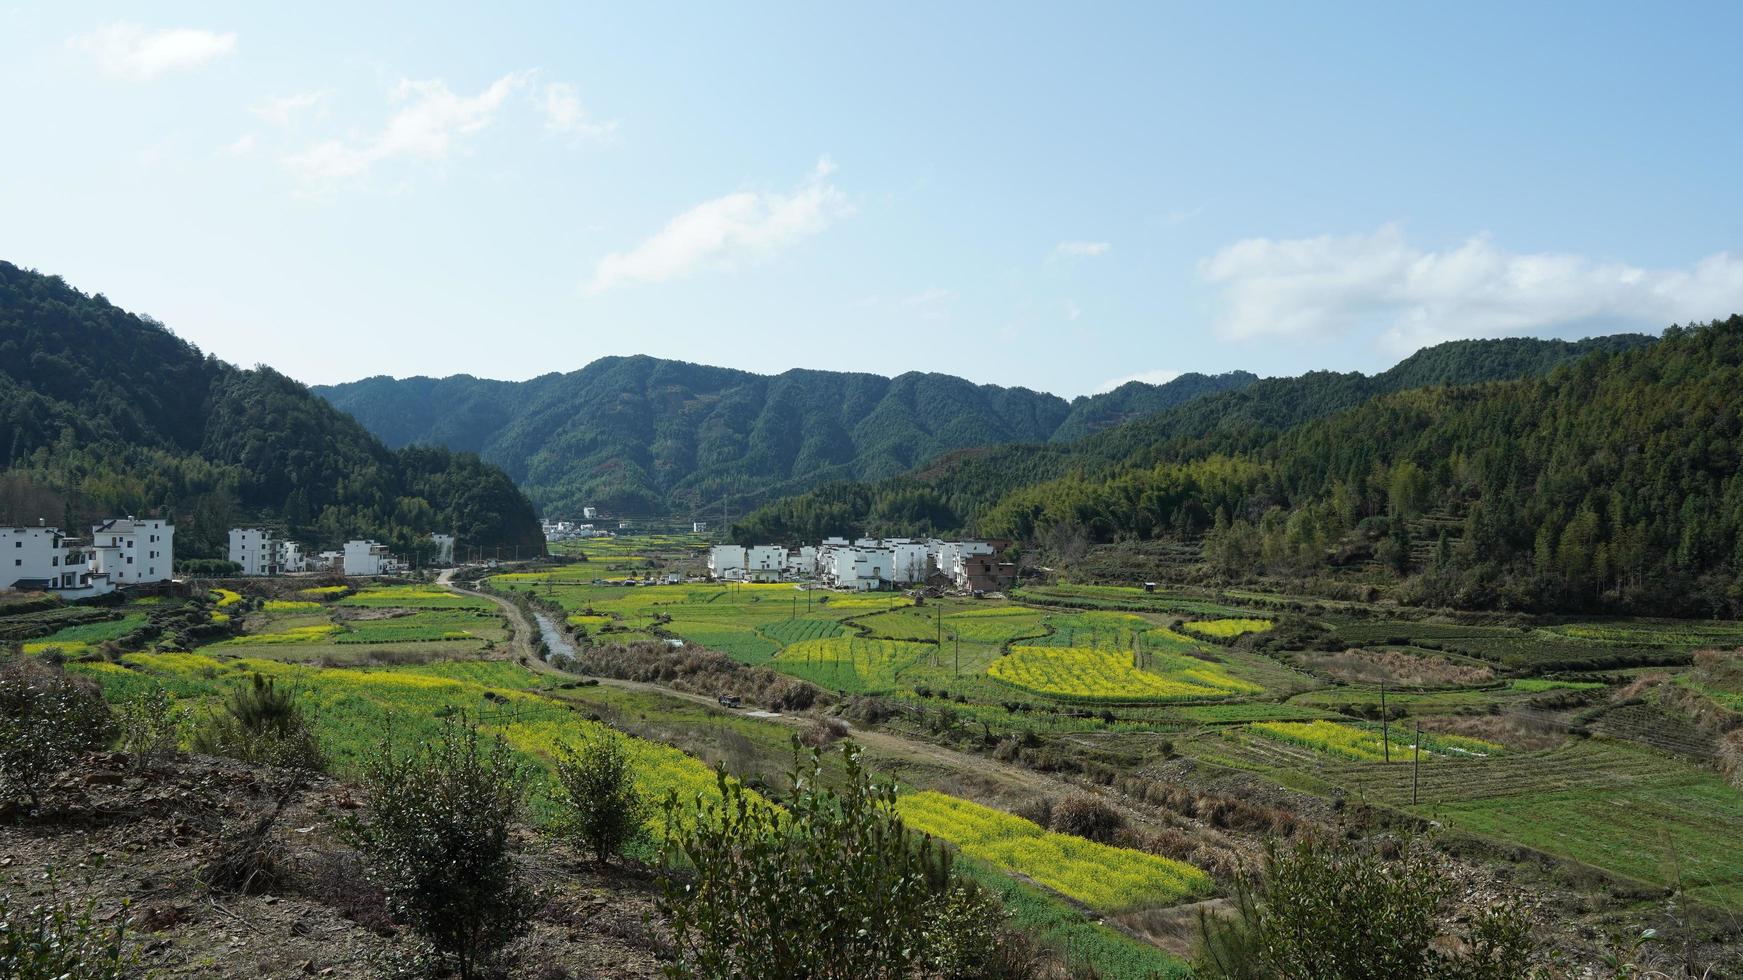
[[728, 700]]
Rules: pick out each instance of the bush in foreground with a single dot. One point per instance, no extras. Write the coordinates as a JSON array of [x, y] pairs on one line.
[[834, 885], [47, 717], [601, 808], [1325, 911], [263, 724], [56, 941], [436, 841]]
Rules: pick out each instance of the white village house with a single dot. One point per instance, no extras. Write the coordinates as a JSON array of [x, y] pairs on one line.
[[726, 563], [121, 551], [254, 549], [133, 552]]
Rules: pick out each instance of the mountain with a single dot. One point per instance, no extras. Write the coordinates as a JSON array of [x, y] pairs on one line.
[[108, 412], [953, 492], [1611, 484], [641, 435]]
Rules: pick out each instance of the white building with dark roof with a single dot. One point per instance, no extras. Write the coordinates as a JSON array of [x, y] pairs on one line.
[[132, 551]]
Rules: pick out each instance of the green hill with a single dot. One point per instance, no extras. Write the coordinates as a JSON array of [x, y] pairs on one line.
[[108, 412], [641, 435], [953, 492]]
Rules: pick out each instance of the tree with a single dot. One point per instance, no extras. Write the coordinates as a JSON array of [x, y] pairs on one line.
[[603, 810], [436, 841], [832, 887], [264, 724]]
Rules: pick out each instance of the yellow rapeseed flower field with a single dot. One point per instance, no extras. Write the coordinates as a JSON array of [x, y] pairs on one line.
[[1107, 878]]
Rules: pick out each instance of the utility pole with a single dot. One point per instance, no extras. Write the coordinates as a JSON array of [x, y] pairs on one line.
[[1416, 766], [1385, 724], [959, 654]]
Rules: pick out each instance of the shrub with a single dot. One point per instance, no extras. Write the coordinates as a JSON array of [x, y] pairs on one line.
[[437, 843], [1086, 816], [1321, 909], [602, 809], [57, 941], [152, 725], [751, 905], [47, 717], [262, 724]]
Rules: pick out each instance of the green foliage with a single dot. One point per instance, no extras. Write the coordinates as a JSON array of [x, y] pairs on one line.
[[957, 492], [111, 413], [1325, 911], [47, 717], [436, 841], [833, 886], [261, 723], [596, 791], [152, 724], [59, 941]]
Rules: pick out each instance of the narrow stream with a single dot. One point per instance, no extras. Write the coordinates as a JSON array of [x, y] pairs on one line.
[[555, 641]]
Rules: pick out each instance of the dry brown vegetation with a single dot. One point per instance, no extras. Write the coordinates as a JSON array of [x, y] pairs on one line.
[[1357, 666]]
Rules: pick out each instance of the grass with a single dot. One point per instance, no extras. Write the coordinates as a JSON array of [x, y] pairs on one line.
[[1367, 745], [1079, 673], [1106, 878], [422, 627], [1121, 597], [1538, 685]]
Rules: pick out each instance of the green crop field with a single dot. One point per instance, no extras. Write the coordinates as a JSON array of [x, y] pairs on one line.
[[75, 640], [849, 663], [354, 709], [1367, 743], [412, 597], [1108, 879]]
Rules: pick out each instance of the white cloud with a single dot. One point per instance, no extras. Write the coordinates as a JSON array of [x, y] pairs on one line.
[[744, 224], [1160, 376], [1312, 288], [139, 54], [281, 111], [566, 115], [1072, 310], [428, 126], [243, 146], [1080, 249]]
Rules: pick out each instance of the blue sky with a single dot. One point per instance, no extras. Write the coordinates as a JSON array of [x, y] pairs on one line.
[[1057, 196]]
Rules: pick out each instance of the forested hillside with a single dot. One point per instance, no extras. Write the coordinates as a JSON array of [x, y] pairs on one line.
[[640, 435], [954, 492], [108, 413]]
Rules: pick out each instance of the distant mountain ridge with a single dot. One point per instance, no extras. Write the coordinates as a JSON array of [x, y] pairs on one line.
[[953, 492], [643, 435]]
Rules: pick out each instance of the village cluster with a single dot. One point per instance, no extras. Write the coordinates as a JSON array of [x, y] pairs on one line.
[[258, 552], [126, 551], [869, 564]]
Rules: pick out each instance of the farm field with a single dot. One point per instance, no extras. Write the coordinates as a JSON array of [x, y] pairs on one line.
[[1101, 674], [1371, 744], [1108, 879]]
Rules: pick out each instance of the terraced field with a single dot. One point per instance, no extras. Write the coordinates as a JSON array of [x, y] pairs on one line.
[[848, 663], [1108, 879], [1101, 674], [1371, 743]]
